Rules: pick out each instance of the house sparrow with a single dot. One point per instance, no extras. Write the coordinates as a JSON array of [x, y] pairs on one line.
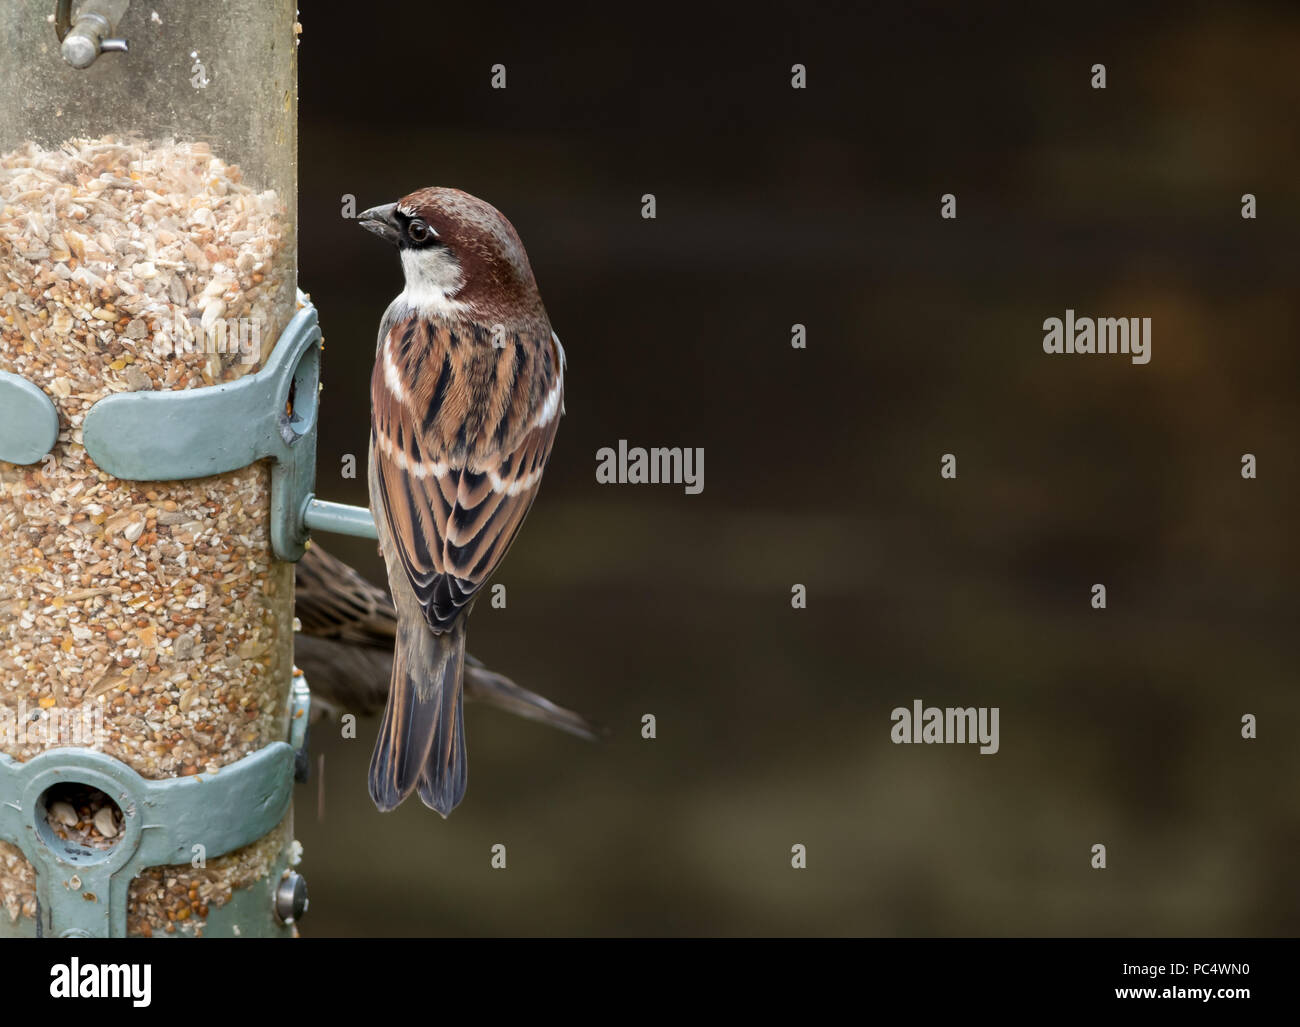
[[345, 649], [466, 395]]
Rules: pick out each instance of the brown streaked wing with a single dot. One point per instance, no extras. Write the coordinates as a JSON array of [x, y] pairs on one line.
[[331, 600], [459, 454]]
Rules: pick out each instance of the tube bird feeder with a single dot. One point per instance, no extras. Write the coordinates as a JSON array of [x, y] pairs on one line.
[[158, 387]]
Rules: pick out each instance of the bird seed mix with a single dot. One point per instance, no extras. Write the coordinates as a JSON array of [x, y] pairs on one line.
[[154, 610]]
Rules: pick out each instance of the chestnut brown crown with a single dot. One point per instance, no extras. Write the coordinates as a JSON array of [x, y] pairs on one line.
[[460, 255]]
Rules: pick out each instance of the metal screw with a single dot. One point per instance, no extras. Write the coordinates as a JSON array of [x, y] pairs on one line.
[[92, 34], [291, 897]]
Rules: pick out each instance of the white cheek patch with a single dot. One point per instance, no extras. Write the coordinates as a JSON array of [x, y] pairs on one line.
[[432, 280]]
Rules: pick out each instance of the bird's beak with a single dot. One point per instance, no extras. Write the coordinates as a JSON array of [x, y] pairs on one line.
[[382, 221]]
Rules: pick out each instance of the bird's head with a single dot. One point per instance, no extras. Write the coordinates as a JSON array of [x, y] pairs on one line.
[[460, 256]]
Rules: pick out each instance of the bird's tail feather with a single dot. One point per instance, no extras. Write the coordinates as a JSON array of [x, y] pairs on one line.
[[422, 738], [500, 691]]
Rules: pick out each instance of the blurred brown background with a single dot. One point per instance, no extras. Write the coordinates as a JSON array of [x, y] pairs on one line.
[[821, 206]]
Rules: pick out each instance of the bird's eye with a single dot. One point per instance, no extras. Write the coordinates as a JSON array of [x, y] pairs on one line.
[[419, 231]]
